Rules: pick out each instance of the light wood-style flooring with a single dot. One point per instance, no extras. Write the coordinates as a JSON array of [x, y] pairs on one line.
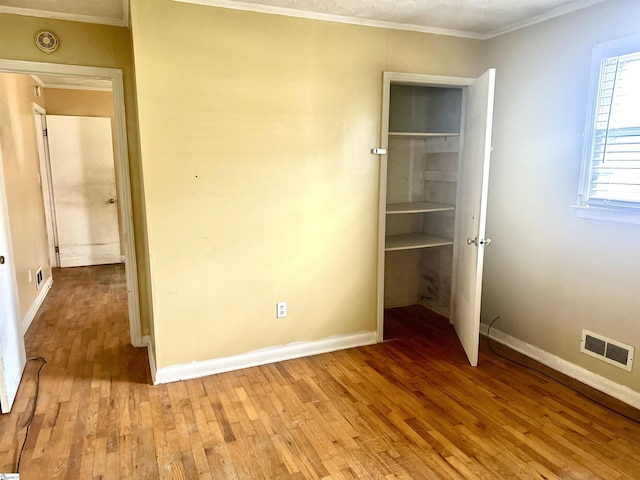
[[409, 408]]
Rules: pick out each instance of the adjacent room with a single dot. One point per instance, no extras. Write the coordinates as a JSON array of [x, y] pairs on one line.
[[278, 239]]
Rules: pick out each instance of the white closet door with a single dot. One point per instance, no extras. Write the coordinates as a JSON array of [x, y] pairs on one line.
[[84, 190], [12, 351], [471, 206]]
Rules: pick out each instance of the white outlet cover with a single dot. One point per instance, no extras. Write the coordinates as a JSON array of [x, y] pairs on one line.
[[281, 309]]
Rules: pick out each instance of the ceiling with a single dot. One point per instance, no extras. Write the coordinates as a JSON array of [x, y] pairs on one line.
[[108, 12], [466, 18]]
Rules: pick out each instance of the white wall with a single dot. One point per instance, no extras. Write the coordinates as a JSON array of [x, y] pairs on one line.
[[548, 273]]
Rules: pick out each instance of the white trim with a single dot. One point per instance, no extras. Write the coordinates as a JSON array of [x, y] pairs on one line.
[[556, 12], [36, 79], [146, 341], [33, 311], [621, 392], [329, 17], [263, 356], [73, 17], [404, 79], [77, 87], [629, 215], [123, 179], [46, 183], [613, 213]]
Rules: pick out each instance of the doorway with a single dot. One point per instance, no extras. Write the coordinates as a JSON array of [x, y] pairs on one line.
[[124, 204], [435, 149], [125, 208]]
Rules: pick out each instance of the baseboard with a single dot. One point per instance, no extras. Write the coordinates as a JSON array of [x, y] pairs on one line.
[[615, 390], [263, 356], [146, 341], [33, 311]]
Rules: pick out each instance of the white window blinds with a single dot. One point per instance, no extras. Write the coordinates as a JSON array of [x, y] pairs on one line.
[[614, 174]]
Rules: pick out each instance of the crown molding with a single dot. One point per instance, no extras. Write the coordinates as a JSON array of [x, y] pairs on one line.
[[73, 17], [556, 12], [328, 17]]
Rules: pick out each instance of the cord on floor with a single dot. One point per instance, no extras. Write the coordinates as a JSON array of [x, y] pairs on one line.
[[552, 378], [33, 411]]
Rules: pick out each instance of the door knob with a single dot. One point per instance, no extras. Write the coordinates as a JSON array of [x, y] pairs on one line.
[[112, 200], [1, 260], [483, 241]]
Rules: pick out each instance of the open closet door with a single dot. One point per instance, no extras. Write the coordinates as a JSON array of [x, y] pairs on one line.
[[471, 205], [12, 352]]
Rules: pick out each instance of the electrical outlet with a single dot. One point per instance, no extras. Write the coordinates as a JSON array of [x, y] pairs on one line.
[[281, 309]]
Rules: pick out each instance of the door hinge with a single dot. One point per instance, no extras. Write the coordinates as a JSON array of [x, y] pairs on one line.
[[45, 132], [57, 249]]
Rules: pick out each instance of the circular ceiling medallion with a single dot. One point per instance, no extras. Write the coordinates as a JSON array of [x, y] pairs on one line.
[[47, 41]]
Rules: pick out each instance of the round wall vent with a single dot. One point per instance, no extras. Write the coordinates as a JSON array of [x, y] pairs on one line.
[[47, 41]]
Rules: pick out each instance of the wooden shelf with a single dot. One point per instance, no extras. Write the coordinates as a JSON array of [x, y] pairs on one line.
[[412, 241], [440, 176], [417, 207], [423, 134]]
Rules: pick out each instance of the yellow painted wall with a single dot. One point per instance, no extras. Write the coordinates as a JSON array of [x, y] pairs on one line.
[[549, 274], [98, 46], [21, 165], [260, 187]]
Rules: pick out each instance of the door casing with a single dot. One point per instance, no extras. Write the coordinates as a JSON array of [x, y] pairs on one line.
[[420, 80], [122, 171]]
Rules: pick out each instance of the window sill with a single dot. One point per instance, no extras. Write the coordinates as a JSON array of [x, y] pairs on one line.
[[622, 215]]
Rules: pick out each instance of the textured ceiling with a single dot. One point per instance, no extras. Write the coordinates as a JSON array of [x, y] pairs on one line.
[[473, 18], [110, 12]]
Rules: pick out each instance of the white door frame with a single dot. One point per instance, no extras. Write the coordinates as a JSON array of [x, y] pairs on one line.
[[122, 172], [405, 79], [40, 117]]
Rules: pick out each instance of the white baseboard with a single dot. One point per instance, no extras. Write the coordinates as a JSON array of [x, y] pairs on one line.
[[33, 311], [263, 356], [621, 392], [146, 341]]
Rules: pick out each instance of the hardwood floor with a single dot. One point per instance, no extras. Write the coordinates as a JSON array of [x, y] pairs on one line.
[[408, 408]]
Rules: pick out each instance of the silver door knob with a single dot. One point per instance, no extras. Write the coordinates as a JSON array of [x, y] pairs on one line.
[[111, 200], [483, 241]]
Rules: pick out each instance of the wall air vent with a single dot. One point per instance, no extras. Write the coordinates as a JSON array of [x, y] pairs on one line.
[[607, 350], [38, 280]]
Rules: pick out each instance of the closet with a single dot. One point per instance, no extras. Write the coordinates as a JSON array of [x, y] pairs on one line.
[[433, 189]]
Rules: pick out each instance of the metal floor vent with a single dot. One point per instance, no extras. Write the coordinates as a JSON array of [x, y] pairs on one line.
[[607, 350]]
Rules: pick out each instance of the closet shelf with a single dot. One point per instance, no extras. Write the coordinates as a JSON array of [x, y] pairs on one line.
[[411, 241], [440, 176], [423, 134], [417, 207]]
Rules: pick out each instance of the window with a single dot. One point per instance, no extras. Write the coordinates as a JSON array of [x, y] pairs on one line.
[[610, 187]]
